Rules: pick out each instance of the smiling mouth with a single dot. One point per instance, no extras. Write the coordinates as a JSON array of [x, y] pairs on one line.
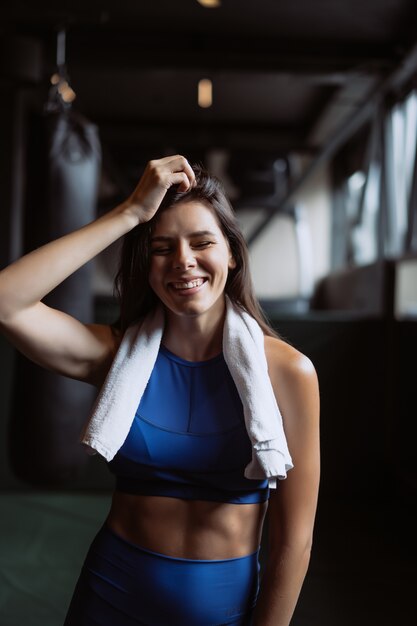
[[188, 285]]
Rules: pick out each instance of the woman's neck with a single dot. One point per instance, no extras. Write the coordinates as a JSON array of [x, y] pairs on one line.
[[195, 338]]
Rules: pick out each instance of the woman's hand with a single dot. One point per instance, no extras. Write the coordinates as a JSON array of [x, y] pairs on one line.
[[157, 178]]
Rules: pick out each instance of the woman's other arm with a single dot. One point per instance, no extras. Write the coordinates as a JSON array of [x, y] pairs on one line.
[[292, 506], [52, 338]]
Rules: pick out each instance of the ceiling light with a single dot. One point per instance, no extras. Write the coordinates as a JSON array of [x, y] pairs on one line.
[[205, 93], [209, 4]]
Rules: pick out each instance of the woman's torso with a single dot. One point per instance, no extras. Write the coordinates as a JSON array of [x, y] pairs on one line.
[[189, 529], [189, 430]]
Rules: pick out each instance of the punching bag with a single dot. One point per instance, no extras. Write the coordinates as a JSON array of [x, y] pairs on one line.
[[49, 410]]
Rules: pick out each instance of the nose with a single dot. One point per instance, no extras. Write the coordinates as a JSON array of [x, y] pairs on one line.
[[184, 256]]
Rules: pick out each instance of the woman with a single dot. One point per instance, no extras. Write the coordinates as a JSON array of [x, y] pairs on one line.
[[181, 552]]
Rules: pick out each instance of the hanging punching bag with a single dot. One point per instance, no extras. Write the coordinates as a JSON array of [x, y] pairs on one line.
[[48, 410]]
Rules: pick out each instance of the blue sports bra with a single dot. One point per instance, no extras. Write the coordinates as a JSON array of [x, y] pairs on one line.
[[188, 438]]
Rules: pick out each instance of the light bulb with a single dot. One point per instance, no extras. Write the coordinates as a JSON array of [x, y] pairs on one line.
[[205, 93], [209, 4]]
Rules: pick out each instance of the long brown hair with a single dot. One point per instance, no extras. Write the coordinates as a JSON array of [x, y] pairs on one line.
[[136, 298]]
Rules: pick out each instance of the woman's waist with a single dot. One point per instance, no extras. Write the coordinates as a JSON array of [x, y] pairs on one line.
[[194, 529]]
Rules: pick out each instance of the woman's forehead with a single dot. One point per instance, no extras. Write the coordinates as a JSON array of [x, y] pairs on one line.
[[192, 216]]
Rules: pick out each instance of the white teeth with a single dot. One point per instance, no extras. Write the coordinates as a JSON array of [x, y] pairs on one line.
[[189, 285]]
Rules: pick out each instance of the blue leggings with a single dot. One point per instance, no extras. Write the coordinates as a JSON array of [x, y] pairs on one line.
[[123, 584]]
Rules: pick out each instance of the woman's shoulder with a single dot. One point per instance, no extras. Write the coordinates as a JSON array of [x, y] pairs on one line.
[[296, 387], [286, 363]]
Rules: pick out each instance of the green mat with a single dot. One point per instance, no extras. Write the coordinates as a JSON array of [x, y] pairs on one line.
[[43, 541]]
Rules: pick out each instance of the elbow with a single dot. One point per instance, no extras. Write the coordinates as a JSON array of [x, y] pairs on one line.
[[5, 320], [295, 548], [5, 311], [306, 554], [290, 558], [9, 312], [2, 322]]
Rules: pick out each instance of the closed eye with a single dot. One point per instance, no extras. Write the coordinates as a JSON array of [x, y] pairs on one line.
[[203, 244], [200, 245], [163, 250]]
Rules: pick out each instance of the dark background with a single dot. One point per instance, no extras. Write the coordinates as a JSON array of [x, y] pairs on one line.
[[288, 78]]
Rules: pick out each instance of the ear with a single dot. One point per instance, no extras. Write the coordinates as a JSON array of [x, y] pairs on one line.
[[232, 263]]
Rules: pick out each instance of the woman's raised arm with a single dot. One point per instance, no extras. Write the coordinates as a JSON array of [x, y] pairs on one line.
[[52, 338]]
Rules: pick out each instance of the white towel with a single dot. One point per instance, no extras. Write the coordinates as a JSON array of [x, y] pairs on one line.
[[244, 353]]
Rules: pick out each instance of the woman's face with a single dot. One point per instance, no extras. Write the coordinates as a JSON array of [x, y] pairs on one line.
[[190, 259]]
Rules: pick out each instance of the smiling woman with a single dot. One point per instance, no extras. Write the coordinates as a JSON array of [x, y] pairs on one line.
[[188, 272], [207, 221], [181, 542]]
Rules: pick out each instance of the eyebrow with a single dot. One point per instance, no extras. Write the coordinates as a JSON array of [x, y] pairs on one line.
[[197, 233]]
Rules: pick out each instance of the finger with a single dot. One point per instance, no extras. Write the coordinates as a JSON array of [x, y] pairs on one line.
[[181, 179], [179, 163], [190, 173]]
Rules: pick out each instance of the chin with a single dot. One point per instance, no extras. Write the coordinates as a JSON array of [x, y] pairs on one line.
[[190, 308]]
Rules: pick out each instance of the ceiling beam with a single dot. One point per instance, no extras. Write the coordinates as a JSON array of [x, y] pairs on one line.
[[391, 84], [247, 54], [259, 137]]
